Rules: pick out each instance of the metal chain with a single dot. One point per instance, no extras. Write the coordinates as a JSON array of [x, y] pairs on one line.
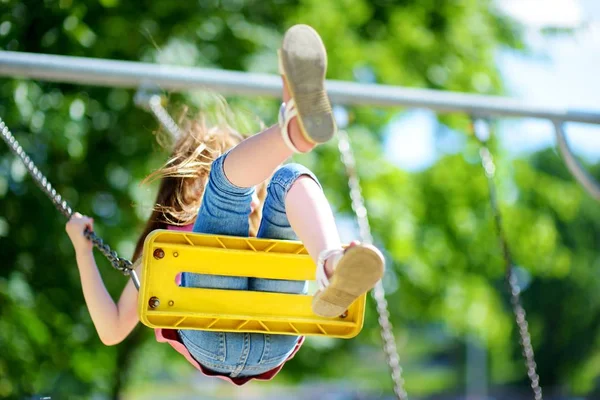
[[358, 205], [147, 98], [121, 264], [155, 104], [487, 162]]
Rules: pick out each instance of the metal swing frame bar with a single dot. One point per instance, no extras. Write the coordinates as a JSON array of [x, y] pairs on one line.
[[128, 74]]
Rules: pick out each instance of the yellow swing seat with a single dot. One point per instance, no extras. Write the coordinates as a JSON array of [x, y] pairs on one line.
[[165, 304]]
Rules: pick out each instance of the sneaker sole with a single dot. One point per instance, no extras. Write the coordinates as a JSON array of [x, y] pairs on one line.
[[356, 273], [303, 63]]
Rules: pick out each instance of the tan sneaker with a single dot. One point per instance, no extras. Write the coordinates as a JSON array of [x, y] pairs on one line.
[[303, 64]]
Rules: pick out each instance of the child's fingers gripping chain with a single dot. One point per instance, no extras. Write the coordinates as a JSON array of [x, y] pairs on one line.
[[75, 228]]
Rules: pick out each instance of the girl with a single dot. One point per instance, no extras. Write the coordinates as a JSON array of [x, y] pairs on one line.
[[214, 171]]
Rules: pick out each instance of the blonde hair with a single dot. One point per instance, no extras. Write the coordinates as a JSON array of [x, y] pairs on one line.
[[184, 175]]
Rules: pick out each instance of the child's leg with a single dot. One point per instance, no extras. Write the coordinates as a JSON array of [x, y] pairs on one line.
[[295, 203], [275, 349], [303, 63], [342, 275], [276, 225]]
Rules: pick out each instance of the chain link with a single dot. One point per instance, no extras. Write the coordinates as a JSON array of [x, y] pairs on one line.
[[358, 205], [480, 128], [121, 264], [155, 104]]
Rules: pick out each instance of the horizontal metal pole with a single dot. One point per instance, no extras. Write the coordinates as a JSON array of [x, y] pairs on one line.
[[90, 71]]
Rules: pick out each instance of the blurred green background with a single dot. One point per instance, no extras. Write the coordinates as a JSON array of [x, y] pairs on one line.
[[452, 320]]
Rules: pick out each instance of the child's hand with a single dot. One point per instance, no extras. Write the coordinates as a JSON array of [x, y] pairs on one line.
[[75, 228]]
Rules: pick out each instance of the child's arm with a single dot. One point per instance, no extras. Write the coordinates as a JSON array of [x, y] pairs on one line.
[[113, 322]]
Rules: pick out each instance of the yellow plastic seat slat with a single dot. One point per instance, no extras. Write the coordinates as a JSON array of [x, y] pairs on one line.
[[164, 304], [233, 263], [268, 320]]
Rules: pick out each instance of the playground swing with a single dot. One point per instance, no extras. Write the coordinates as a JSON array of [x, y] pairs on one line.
[[164, 304]]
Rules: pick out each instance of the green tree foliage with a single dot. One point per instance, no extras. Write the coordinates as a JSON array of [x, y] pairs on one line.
[[445, 272]]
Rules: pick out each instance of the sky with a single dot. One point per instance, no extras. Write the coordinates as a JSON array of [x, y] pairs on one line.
[[559, 70]]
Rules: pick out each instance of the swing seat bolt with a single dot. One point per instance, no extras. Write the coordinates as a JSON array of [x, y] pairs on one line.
[[344, 314], [158, 253], [175, 254], [171, 303], [154, 302]]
